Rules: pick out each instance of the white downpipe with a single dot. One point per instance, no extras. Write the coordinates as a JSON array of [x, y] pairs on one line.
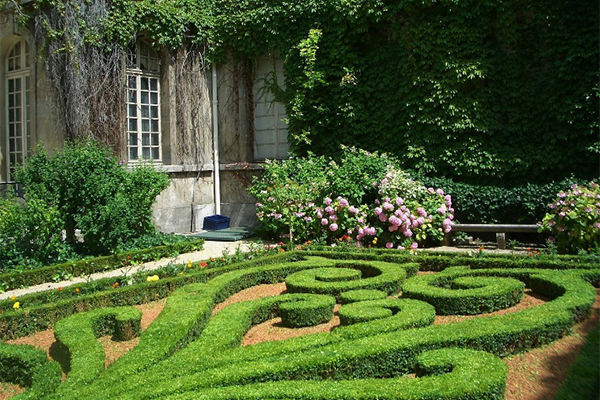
[[215, 111]]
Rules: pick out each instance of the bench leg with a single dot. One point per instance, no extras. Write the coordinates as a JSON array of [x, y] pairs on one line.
[[447, 240], [501, 239]]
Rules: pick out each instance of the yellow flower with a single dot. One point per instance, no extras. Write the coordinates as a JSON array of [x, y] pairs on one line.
[[189, 264], [375, 241], [13, 298], [152, 278], [16, 305]]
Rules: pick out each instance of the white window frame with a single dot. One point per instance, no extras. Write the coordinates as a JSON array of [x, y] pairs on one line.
[[17, 105], [270, 133], [143, 117]]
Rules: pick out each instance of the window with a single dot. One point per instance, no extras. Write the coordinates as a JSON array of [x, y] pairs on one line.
[[143, 104], [18, 105], [270, 129]]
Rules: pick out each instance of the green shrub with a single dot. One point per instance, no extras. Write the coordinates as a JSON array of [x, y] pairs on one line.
[[30, 234], [31, 277], [353, 296], [462, 292], [306, 310], [94, 193], [527, 203], [377, 275], [29, 366], [575, 219]]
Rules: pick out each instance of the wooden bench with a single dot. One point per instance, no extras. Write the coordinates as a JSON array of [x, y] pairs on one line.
[[499, 229]]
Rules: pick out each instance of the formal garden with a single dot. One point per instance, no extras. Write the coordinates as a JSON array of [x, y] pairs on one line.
[[405, 119]]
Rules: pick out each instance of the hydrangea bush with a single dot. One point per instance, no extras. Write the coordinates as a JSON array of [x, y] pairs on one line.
[[574, 219], [378, 205]]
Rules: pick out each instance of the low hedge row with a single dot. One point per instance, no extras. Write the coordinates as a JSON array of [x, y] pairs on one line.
[[197, 369], [377, 275], [306, 310], [436, 262], [459, 292], [452, 374], [361, 295], [182, 355], [28, 366], [396, 314], [78, 333], [16, 280], [38, 311]]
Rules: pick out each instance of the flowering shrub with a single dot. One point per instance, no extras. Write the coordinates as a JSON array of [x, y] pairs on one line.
[[574, 221], [339, 220], [364, 199]]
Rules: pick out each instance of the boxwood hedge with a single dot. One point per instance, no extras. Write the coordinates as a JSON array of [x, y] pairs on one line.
[[187, 353]]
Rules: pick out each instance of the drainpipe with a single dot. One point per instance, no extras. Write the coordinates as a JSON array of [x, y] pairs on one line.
[[215, 111]]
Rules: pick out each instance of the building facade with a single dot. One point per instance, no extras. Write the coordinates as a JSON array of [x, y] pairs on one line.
[[209, 127]]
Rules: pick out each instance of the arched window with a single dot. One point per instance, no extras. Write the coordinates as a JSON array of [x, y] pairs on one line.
[[143, 104], [18, 104]]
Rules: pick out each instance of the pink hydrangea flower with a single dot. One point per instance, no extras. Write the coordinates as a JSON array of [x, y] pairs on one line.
[[327, 201], [383, 217], [414, 245], [324, 221], [389, 245], [333, 227], [353, 210], [343, 203]]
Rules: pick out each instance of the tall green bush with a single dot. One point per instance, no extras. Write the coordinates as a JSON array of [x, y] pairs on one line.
[[94, 194]]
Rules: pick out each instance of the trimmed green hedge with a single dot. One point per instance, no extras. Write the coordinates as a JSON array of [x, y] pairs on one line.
[[376, 275], [306, 310], [361, 295], [197, 368], [462, 292], [29, 366], [187, 353], [16, 280]]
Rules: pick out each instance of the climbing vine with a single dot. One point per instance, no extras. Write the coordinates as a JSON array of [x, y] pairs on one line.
[[494, 92]]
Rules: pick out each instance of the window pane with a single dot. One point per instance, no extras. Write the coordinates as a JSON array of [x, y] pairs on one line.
[[153, 98], [145, 112], [133, 125], [144, 83], [145, 139], [133, 139], [154, 113], [154, 84], [145, 125], [132, 98], [155, 155], [144, 97], [154, 139], [154, 125], [133, 153], [146, 153], [132, 110]]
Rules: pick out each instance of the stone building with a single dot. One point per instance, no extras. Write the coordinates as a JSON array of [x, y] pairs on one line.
[[211, 141]]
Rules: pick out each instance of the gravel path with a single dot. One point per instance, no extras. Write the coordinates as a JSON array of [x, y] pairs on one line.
[[211, 249]]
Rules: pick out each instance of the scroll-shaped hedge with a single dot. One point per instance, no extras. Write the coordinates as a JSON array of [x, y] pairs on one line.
[[306, 310], [361, 295], [452, 374], [451, 293], [344, 276], [77, 334], [368, 318], [28, 366]]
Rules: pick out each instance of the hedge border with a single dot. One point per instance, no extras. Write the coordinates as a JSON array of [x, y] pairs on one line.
[[387, 354], [459, 293], [16, 280], [353, 296], [306, 310]]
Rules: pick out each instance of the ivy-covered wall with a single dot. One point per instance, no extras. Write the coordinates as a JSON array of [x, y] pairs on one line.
[[494, 92]]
